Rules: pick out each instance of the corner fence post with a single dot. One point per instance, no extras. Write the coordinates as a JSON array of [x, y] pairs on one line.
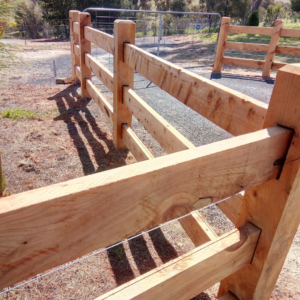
[[124, 32], [73, 17], [272, 47], [273, 206], [225, 23], [85, 47]]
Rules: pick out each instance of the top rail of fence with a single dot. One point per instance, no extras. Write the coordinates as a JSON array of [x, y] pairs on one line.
[[151, 11]]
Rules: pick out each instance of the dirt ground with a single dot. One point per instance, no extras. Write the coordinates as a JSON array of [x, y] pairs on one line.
[[68, 138]]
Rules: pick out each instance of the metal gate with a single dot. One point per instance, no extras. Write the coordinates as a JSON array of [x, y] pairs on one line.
[[182, 38]]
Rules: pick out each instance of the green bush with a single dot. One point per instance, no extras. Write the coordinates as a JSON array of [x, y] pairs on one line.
[[273, 13], [295, 5], [253, 19]]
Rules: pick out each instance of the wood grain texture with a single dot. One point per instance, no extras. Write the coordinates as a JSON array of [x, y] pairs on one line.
[[105, 76], [231, 207], [197, 229], [78, 71], [288, 50], [53, 225], [251, 30], [277, 66], [231, 110], [222, 39], [287, 32], [76, 27], [251, 63], [101, 101], [73, 16], [246, 46], [76, 50], [135, 145], [192, 273], [273, 206], [165, 134], [85, 47], [100, 39], [272, 48], [124, 32]]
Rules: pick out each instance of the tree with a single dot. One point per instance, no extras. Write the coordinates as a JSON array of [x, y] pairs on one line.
[[253, 19], [273, 13], [29, 14], [7, 13], [59, 9], [177, 5], [229, 8], [295, 5], [163, 5], [254, 6], [141, 4]]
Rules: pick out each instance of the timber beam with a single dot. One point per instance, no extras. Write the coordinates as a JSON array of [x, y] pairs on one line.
[[192, 273]]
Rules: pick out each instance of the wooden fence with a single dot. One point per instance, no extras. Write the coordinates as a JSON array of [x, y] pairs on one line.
[[47, 227], [268, 64]]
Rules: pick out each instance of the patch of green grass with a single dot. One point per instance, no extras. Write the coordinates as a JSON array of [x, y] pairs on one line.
[[148, 33], [119, 252], [18, 114], [291, 25], [252, 38], [212, 37]]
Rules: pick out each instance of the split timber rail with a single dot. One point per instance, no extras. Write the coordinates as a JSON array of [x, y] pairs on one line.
[[268, 64], [47, 227]]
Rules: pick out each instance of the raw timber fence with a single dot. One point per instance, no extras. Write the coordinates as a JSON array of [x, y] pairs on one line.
[[47, 227], [271, 49]]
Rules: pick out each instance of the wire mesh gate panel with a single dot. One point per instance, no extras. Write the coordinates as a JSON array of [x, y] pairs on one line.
[[173, 36]]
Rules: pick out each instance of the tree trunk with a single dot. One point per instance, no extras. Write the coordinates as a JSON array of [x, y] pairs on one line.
[[254, 6]]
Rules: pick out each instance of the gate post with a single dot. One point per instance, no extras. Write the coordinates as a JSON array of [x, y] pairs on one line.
[[85, 47], [274, 206], [272, 47], [73, 16], [124, 32], [225, 23]]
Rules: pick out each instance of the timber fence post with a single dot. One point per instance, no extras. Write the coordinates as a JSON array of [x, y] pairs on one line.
[[273, 206], [73, 18], [124, 32], [272, 47], [85, 47], [225, 23]]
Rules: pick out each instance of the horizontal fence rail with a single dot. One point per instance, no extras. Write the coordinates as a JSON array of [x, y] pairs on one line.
[[199, 269], [100, 39], [167, 136], [230, 110], [271, 49]]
